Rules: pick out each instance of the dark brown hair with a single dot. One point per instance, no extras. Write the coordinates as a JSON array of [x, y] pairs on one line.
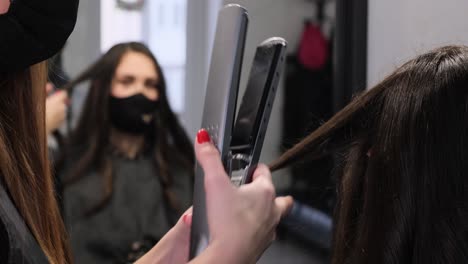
[[24, 165], [403, 189], [170, 144]]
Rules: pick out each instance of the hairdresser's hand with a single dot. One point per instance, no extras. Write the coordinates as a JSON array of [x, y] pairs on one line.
[[56, 109], [242, 220], [173, 248]]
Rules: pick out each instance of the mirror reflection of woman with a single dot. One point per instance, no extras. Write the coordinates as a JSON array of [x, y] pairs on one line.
[[31, 228], [128, 168]]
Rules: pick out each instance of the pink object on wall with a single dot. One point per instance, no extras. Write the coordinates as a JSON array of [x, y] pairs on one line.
[[313, 48]]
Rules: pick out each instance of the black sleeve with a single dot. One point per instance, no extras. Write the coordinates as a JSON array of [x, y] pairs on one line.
[[4, 244]]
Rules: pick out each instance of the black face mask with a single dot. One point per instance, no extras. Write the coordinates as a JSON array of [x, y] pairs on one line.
[[134, 114]]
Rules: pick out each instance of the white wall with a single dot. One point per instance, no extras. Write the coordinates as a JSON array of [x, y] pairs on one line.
[[119, 25], [83, 47], [401, 29], [164, 27]]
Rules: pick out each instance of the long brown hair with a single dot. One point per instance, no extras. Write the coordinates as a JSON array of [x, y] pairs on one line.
[[403, 189], [24, 164], [170, 144]]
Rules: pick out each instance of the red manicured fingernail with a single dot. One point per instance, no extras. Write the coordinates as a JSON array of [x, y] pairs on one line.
[[203, 136], [187, 218]]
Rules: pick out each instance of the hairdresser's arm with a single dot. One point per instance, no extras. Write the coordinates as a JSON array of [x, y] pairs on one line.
[[56, 109], [242, 220]]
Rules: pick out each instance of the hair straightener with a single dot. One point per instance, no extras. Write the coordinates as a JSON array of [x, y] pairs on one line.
[[239, 142]]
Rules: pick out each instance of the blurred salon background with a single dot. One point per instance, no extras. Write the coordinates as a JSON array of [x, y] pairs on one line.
[[336, 48]]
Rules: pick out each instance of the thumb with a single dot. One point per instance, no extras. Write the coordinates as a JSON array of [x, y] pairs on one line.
[[284, 205], [209, 159]]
